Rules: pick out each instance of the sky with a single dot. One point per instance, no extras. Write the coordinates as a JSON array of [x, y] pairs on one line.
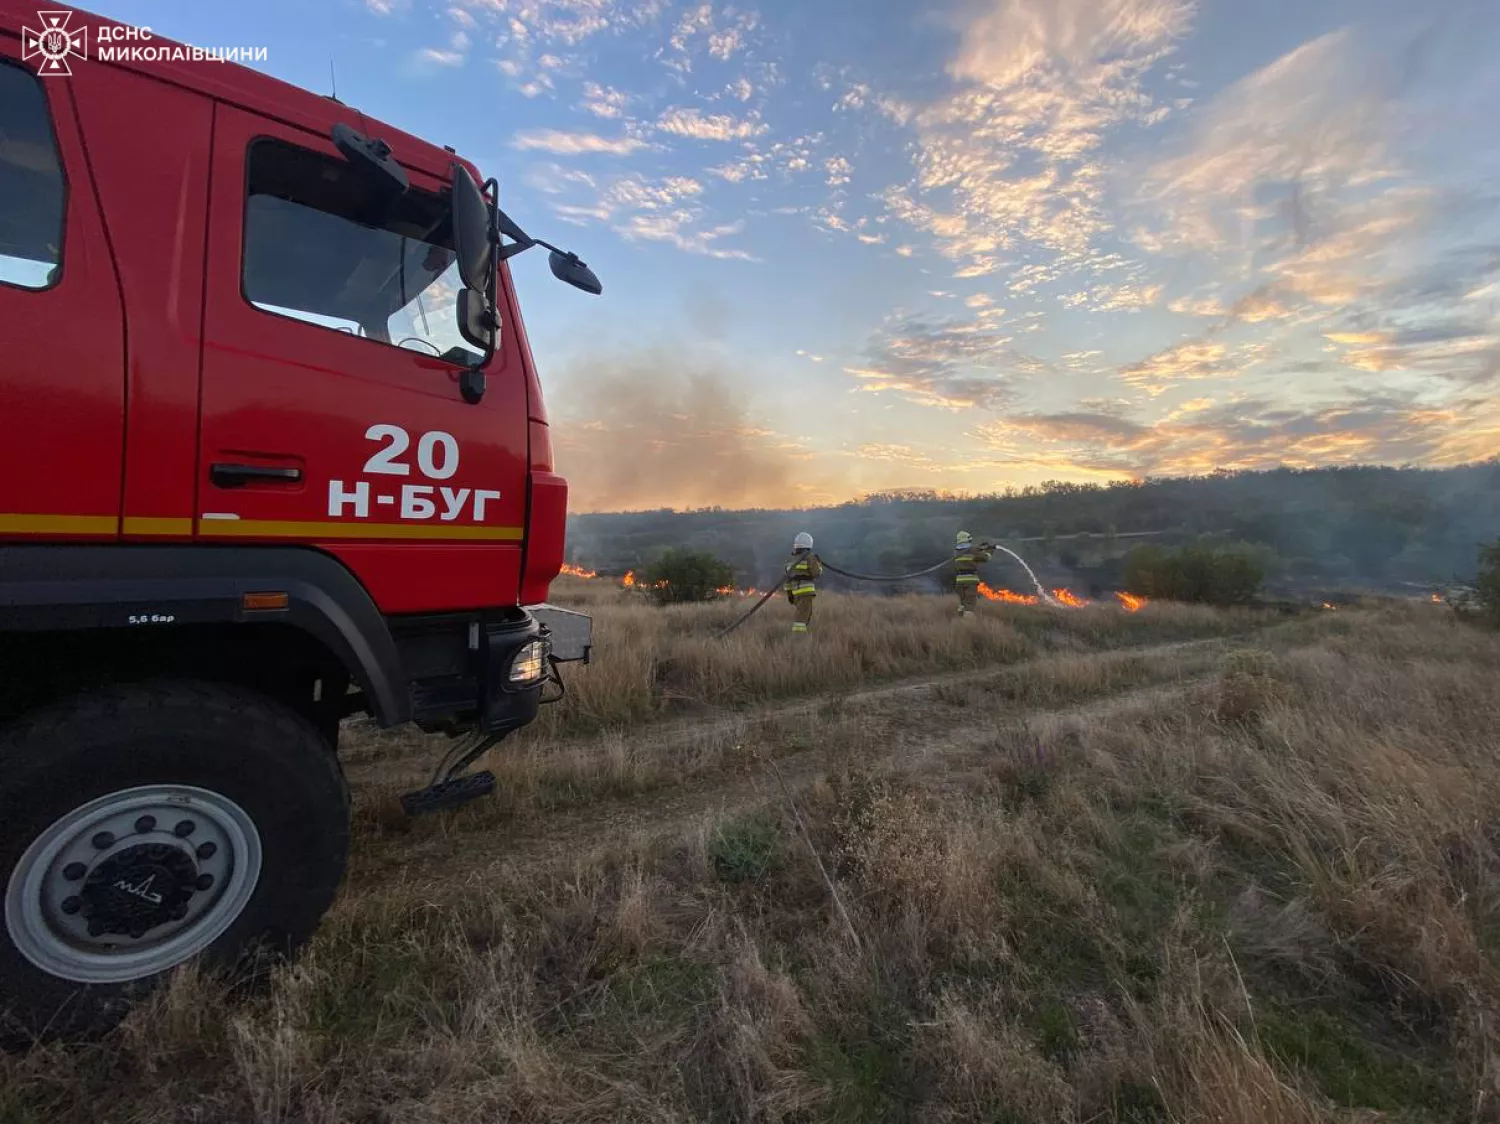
[[851, 245]]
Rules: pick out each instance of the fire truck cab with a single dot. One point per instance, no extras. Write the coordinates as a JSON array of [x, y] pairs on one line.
[[273, 452]]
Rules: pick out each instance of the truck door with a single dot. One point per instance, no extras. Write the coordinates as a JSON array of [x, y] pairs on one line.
[[62, 363], [332, 413]]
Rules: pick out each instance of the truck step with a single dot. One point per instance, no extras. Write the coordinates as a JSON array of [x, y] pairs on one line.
[[448, 794]]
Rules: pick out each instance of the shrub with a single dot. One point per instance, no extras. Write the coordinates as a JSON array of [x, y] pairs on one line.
[[687, 575], [1487, 582], [1206, 573]]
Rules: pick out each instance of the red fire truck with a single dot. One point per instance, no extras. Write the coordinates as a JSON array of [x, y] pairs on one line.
[[272, 453]]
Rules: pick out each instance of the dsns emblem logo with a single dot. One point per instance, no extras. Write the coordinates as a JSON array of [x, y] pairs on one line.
[[55, 44]]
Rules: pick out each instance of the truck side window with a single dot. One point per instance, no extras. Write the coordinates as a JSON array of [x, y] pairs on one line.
[[32, 190], [323, 246]]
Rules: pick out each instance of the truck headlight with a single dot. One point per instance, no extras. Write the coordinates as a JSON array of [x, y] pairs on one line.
[[530, 663]]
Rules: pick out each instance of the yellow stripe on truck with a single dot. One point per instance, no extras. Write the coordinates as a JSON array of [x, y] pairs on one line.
[[278, 529], [59, 524], [144, 525]]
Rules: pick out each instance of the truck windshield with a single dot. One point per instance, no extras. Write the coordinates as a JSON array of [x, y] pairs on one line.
[[322, 244]]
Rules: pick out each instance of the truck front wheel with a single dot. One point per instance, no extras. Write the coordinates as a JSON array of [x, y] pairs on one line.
[[143, 826]]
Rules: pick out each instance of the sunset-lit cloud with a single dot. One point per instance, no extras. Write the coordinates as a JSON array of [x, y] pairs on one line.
[[1198, 359], [1246, 434]]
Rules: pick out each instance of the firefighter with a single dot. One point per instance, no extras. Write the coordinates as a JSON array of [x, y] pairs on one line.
[[801, 570], [967, 558]]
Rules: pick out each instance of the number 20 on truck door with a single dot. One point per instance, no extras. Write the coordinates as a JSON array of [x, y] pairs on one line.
[[437, 458]]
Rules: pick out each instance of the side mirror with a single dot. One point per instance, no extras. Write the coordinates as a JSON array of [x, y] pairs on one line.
[[569, 268], [477, 321], [472, 235]]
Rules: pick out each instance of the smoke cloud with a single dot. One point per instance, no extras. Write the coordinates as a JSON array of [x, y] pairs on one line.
[[650, 432]]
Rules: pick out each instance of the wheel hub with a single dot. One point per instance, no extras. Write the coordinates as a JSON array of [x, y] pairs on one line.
[[135, 890], [132, 883]]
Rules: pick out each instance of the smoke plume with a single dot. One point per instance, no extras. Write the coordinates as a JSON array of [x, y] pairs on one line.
[[650, 432]]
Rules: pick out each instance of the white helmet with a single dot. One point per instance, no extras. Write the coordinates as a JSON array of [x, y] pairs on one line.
[[803, 541]]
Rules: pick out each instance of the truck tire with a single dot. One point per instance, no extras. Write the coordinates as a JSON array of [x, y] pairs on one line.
[[143, 826]]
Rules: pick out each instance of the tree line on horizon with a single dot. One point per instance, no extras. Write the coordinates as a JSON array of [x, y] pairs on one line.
[[1372, 526]]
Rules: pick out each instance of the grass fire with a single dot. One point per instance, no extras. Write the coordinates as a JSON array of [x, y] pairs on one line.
[[1006, 596]]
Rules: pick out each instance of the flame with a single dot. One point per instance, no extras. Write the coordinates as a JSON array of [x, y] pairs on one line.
[[1326, 605], [1130, 601], [579, 571], [1069, 598], [1437, 598], [1005, 595], [630, 581]]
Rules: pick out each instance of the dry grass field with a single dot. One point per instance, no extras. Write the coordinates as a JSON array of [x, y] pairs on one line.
[[1178, 865]]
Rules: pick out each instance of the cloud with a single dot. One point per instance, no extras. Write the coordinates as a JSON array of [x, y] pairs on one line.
[[1017, 40], [666, 209], [737, 171], [950, 364], [898, 454], [441, 57], [566, 22], [576, 143], [603, 101], [536, 39], [723, 44], [1011, 157], [1196, 359], [1113, 298], [1202, 436], [1453, 348], [788, 158], [839, 170], [696, 125], [1275, 150], [1198, 306], [677, 229], [726, 34], [1306, 181]]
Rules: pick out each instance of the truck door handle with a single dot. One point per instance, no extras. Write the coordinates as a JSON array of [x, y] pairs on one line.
[[238, 475]]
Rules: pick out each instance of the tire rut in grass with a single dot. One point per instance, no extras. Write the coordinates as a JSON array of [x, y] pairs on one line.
[[465, 862]]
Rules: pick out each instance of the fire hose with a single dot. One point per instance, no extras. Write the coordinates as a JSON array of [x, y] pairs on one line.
[[770, 593], [831, 568]]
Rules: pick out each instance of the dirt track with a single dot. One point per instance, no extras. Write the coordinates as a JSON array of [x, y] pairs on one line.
[[937, 724]]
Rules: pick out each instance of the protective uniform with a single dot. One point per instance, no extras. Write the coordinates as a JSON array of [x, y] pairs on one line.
[[801, 570], [967, 558]]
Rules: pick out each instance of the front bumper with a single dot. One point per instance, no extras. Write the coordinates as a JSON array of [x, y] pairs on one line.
[[464, 678]]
